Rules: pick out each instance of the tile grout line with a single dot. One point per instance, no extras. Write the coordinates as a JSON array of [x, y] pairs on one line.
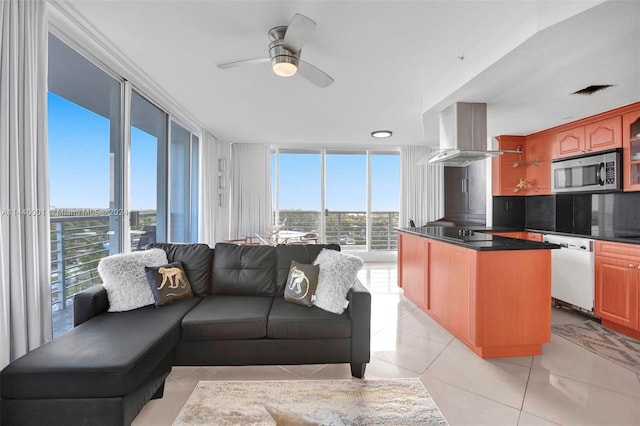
[[437, 356], [526, 387]]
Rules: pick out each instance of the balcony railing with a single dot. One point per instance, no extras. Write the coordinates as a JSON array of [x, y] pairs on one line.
[[347, 227], [77, 245]]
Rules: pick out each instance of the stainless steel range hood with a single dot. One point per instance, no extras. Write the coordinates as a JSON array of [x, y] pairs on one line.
[[463, 135]]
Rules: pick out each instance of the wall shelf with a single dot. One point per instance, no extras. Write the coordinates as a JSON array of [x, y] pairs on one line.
[[519, 163]]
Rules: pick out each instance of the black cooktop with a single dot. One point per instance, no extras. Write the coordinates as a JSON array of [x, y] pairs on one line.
[[458, 234]]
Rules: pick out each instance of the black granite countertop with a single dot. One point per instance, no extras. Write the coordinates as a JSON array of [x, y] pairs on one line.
[[594, 234], [473, 238]]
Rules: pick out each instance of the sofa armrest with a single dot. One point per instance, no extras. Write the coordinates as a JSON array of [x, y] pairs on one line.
[[89, 303], [360, 312]]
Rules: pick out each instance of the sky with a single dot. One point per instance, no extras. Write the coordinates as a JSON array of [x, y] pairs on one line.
[[79, 169], [79, 159], [346, 184]]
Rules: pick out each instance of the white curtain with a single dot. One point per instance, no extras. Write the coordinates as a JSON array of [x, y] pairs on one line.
[[25, 293], [250, 190], [208, 190], [421, 187]]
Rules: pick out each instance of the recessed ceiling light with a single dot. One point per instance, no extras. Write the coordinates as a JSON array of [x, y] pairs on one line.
[[381, 134]]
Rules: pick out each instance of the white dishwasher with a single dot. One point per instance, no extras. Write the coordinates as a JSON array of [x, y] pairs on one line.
[[573, 271]]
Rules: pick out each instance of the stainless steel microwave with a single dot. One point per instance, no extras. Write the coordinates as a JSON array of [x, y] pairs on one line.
[[590, 173]]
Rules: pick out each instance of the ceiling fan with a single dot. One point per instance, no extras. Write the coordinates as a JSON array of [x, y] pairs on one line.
[[284, 52]]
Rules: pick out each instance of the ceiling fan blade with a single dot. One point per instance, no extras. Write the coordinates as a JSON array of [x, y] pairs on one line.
[[314, 74], [242, 63], [298, 32]]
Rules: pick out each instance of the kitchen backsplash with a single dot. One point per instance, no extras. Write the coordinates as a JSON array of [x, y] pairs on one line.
[[509, 211], [615, 213]]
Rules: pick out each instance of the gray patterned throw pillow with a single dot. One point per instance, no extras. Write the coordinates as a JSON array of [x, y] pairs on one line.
[[301, 284]]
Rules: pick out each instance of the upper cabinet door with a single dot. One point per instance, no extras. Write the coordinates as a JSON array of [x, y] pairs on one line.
[[631, 150], [597, 136], [604, 134], [570, 142]]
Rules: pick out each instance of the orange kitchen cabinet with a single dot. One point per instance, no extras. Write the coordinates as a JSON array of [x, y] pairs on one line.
[[570, 142], [603, 134], [617, 279], [508, 168], [510, 302], [538, 170], [448, 298], [533, 236], [496, 302], [511, 234], [413, 272], [631, 150], [599, 135], [522, 235]]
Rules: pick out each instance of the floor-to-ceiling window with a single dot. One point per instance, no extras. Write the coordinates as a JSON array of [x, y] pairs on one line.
[[113, 189], [384, 200], [184, 188], [85, 174], [147, 172], [348, 197], [297, 200]]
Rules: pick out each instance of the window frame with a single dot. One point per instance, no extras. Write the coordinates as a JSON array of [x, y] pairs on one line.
[[369, 153]]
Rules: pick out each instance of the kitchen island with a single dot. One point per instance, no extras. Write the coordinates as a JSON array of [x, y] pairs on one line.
[[493, 293]]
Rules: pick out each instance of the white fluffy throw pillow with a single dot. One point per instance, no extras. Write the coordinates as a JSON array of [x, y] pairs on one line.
[[125, 280], [338, 273]]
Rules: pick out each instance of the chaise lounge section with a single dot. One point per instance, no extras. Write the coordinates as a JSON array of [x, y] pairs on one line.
[[111, 364]]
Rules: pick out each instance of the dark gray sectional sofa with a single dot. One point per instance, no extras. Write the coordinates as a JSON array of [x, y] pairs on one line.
[[111, 364]]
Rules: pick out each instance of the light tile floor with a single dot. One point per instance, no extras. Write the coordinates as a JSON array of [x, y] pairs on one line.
[[566, 385]]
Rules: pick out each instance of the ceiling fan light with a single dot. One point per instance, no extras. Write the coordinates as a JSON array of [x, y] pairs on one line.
[[284, 69]]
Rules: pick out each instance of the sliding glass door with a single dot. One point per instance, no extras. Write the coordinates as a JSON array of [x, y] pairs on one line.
[[350, 198], [299, 199], [346, 199], [384, 200], [117, 180], [148, 173], [184, 188]]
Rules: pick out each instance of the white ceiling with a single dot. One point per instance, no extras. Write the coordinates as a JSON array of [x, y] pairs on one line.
[[392, 61]]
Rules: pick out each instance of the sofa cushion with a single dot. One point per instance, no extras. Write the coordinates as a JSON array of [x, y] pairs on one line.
[[302, 253], [244, 270], [196, 261], [227, 318], [111, 355], [290, 321], [124, 278], [302, 283], [168, 283]]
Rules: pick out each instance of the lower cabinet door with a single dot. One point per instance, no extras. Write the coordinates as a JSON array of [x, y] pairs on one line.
[[413, 258], [617, 291], [448, 297]]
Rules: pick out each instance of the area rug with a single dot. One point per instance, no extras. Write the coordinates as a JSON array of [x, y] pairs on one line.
[[311, 402], [621, 349]]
